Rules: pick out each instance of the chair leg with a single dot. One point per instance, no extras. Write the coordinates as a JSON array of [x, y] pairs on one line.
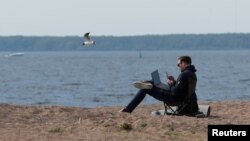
[[166, 108]]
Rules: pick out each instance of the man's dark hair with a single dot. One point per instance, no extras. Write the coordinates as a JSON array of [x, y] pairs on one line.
[[186, 59]]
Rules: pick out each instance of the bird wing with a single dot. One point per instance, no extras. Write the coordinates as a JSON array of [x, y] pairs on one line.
[[86, 36]]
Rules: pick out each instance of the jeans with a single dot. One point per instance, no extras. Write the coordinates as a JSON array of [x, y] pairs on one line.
[[155, 92]]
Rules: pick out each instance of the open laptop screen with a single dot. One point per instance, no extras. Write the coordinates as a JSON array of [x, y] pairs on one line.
[[157, 81], [156, 78]]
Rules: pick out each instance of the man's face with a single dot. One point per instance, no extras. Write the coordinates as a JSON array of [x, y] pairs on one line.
[[181, 65]]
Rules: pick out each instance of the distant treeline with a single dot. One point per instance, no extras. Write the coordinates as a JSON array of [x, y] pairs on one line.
[[145, 42]]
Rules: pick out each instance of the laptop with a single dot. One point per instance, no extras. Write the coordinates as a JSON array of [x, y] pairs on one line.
[[157, 81]]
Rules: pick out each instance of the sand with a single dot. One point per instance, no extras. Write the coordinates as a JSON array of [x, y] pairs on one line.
[[58, 123]]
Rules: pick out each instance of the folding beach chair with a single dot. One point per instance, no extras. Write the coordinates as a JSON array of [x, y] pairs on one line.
[[178, 108], [173, 109], [183, 107]]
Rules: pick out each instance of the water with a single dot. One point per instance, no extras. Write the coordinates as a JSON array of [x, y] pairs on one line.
[[91, 79]]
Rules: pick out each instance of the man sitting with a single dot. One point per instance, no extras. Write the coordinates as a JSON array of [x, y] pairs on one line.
[[180, 90]]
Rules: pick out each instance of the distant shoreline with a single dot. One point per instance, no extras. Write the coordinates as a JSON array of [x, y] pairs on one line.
[[223, 41]]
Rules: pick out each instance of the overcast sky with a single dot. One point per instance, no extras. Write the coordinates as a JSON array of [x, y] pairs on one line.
[[122, 17]]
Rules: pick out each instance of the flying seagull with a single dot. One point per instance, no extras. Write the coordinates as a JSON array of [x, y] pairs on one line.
[[88, 40]]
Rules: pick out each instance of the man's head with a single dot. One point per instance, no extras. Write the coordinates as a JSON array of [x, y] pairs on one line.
[[183, 62]]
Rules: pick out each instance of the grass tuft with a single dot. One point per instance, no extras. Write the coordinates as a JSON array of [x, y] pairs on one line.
[[55, 130], [126, 126]]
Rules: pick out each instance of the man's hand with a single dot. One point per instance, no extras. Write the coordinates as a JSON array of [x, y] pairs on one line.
[[170, 80]]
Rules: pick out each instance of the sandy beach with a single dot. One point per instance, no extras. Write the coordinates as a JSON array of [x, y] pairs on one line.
[[58, 123]]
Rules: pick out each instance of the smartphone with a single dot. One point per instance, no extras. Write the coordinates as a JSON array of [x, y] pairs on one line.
[[167, 74]]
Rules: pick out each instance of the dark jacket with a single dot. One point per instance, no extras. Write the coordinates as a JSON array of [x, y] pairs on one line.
[[184, 90]]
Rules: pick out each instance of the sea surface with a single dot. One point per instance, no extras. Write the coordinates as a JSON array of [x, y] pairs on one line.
[[104, 78]]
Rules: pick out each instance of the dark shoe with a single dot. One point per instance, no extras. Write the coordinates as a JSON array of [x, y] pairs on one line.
[[124, 110], [142, 85]]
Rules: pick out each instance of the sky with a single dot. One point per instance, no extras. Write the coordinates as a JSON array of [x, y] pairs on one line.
[[122, 17]]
